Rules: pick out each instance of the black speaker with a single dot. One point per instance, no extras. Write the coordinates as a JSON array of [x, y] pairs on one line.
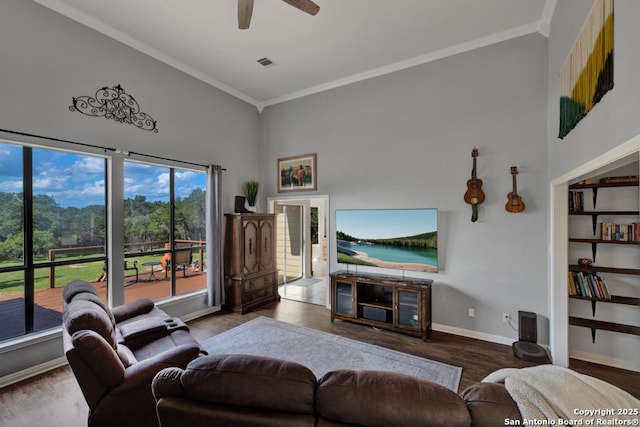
[[527, 326]]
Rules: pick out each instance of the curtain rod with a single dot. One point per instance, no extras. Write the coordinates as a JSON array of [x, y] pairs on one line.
[[100, 147], [57, 139], [169, 160]]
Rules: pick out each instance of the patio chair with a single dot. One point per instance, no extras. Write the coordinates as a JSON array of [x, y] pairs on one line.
[[183, 259]]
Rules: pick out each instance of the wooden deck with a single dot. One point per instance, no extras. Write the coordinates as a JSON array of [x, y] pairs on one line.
[[156, 290]]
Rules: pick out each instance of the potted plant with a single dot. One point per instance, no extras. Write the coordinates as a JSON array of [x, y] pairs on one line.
[[251, 191]]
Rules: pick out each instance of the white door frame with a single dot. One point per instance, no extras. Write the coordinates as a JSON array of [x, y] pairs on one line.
[[323, 199], [559, 246]]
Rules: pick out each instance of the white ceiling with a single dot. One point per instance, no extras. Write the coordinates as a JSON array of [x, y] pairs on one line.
[[347, 41]]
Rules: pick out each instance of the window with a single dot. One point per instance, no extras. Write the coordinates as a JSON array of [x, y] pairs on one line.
[[58, 238], [53, 230], [164, 225]]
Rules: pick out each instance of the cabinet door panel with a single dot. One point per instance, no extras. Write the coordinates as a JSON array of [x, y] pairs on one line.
[[408, 309], [266, 245], [251, 232], [344, 299]]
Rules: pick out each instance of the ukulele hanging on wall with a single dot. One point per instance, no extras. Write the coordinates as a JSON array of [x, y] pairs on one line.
[[514, 203], [474, 195]]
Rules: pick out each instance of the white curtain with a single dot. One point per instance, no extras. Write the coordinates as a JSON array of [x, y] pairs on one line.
[[215, 267]]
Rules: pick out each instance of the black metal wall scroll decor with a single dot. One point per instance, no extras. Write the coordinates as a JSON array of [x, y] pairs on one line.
[[114, 103]]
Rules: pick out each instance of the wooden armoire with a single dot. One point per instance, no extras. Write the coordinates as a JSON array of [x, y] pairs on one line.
[[250, 273]]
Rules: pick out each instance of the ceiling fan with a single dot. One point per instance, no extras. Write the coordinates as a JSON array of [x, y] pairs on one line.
[[245, 8]]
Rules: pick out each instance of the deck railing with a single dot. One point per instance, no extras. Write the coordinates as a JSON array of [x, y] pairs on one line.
[[180, 244]]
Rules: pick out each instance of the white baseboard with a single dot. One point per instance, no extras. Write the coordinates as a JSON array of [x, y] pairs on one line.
[[473, 334], [32, 371], [605, 360]]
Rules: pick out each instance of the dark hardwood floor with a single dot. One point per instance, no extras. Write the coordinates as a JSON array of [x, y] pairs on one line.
[[54, 398]]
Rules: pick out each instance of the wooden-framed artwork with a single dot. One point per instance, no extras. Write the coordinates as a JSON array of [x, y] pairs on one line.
[[298, 173]]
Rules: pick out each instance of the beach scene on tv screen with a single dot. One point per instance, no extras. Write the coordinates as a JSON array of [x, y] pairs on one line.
[[405, 239]]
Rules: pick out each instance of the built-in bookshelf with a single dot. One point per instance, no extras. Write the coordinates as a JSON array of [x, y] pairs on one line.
[[588, 282]]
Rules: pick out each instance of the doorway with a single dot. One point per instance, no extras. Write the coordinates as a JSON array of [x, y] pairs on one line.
[[559, 253], [301, 248]]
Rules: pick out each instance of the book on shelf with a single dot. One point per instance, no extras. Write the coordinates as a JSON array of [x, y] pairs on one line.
[[576, 201], [619, 232], [588, 285], [619, 179], [572, 284]]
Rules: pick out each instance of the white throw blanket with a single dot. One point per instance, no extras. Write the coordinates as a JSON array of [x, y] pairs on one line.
[[551, 393]]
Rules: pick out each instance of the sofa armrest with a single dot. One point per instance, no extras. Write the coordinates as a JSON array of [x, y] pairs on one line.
[[145, 327], [490, 404], [143, 372], [167, 383], [132, 309]]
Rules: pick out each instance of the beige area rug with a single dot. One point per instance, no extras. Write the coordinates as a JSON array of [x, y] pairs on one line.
[[322, 352]]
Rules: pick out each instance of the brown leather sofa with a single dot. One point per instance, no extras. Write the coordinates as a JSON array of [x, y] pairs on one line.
[[255, 391], [115, 354]]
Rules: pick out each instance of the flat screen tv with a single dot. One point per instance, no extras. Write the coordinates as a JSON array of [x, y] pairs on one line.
[[404, 239]]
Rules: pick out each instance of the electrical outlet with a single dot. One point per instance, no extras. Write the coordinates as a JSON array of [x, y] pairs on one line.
[[472, 312], [505, 317]]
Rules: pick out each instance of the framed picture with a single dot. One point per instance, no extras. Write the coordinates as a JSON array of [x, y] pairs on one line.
[[297, 173]]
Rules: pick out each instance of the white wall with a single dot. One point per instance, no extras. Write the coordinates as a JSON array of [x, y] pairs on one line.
[[611, 124], [405, 140], [46, 59]]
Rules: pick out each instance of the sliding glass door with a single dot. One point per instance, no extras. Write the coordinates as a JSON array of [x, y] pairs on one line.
[[290, 242]]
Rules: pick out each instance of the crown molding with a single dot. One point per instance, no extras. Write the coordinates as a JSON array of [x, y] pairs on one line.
[[541, 27], [109, 31], [547, 15]]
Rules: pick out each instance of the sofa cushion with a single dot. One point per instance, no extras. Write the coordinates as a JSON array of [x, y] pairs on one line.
[[250, 381], [83, 314], [77, 287], [388, 398], [99, 357], [87, 296]]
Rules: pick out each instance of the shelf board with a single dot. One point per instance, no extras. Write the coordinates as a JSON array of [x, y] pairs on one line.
[[603, 185], [591, 213], [376, 304], [595, 269], [600, 241], [615, 299], [605, 326]]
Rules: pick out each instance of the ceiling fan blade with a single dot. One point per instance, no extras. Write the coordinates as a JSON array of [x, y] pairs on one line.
[[245, 9], [304, 5]]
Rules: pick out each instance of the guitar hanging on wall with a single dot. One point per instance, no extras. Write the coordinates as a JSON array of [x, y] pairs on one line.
[[515, 203], [474, 195]]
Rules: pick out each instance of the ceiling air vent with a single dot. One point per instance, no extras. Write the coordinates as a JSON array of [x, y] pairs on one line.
[[265, 62]]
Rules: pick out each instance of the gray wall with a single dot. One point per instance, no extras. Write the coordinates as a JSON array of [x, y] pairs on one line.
[[46, 59], [405, 140], [612, 122]]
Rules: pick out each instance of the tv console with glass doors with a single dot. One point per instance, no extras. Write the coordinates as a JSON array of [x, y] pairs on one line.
[[396, 303]]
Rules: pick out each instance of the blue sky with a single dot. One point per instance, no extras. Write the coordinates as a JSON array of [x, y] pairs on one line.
[[386, 223], [78, 180]]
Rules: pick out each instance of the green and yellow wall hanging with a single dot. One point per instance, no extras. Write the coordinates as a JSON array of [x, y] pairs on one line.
[[587, 73]]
